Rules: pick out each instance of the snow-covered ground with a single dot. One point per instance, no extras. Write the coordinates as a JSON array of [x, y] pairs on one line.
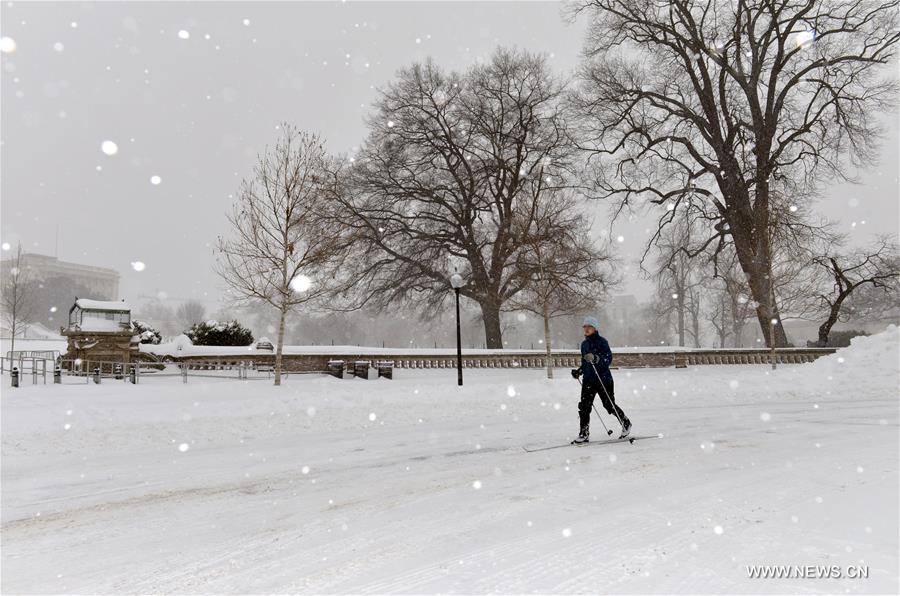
[[417, 486]]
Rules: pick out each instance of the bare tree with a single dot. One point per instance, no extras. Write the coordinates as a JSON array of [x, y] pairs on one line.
[[717, 104], [734, 282], [677, 278], [278, 250], [447, 179], [18, 297], [878, 266], [717, 308], [570, 274], [160, 315], [189, 312]]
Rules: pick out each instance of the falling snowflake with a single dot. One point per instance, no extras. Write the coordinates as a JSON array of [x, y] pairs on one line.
[[301, 283], [477, 485], [138, 265], [183, 34], [311, 411], [372, 417], [765, 416], [7, 45], [567, 532], [620, 239], [805, 38], [718, 530], [109, 148], [511, 391], [58, 46], [733, 384], [154, 180], [5, 246], [304, 470], [246, 22], [390, 124], [183, 447]]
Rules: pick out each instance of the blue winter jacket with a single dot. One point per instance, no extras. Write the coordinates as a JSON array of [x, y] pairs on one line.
[[595, 344]]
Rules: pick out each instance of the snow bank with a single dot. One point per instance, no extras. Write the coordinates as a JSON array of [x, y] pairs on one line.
[[870, 361]]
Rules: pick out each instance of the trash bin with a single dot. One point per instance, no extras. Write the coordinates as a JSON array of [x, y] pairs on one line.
[[336, 368], [361, 369], [385, 369]]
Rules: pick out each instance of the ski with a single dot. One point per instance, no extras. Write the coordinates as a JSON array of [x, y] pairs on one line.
[[603, 442]]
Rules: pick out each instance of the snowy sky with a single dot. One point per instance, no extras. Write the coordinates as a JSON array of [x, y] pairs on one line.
[[190, 92]]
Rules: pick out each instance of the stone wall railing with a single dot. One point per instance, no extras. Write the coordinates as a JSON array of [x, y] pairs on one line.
[[513, 359]]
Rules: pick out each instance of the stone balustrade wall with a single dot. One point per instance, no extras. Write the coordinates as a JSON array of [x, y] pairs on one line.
[[512, 359]]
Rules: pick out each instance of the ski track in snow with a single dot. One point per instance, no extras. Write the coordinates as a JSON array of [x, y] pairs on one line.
[[797, 468]]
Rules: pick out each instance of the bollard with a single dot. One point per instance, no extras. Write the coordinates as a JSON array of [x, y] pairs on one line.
[[117, 370], [97, 375], [14, 376], [132, 375], [57, 376]]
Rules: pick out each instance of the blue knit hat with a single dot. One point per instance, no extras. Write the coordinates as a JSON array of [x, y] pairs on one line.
[[592, 321]]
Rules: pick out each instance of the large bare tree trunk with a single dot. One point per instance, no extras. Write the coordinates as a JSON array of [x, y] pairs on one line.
[[493, 335], [755, 260]]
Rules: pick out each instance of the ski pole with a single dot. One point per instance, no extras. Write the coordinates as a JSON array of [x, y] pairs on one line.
[[596, 411], [612, 403]]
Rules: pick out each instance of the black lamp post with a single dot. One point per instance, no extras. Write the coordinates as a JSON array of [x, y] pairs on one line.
[[456, 281]]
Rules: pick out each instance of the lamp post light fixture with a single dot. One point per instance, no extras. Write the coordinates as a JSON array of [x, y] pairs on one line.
[[456, 281]]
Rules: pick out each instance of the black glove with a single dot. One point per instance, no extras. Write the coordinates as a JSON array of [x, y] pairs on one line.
[[576, 372]]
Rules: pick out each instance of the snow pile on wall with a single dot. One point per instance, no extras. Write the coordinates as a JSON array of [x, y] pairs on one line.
[[869, 360]]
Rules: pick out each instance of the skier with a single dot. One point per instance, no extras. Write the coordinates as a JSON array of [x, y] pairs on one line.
[[597, 380]]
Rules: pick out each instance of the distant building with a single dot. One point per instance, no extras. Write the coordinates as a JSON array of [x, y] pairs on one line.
[[620, 321], [100, 282], [57, 283]]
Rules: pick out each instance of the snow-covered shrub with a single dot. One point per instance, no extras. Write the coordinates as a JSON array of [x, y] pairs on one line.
[[214, 333], [148, 334]]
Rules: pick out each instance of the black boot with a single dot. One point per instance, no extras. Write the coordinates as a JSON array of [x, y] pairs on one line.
[[584, 436], [626, 428]]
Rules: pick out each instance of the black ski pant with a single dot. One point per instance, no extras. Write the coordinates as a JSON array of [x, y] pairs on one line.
[[591, 390]]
